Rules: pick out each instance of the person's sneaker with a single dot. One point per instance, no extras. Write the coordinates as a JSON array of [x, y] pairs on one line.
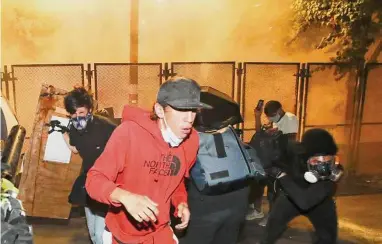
[[254, 214], [264, 221]]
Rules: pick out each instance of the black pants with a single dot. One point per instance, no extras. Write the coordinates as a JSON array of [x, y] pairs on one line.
[[216, 219], [323, 218]]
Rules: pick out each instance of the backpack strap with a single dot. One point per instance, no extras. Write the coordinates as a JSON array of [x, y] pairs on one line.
[[219, 145]]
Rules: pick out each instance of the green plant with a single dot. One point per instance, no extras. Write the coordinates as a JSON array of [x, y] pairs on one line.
[[353, 25]]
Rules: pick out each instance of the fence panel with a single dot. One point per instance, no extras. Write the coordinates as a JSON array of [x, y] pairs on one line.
[[219, 75], [28, 85], [117, 84], [329, 100], [369, 160], [268, 81]]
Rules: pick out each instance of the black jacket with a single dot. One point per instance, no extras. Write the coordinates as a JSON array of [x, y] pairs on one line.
[[90, 143], [304, 194]]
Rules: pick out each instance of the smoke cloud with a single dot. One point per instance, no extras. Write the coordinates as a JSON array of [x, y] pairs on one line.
[[45, 31]]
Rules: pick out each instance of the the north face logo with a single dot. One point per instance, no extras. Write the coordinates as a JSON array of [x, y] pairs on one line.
[[175, 165], [169, 165]]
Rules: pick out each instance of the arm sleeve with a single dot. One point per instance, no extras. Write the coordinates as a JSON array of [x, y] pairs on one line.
[[100, 182], [179, 196], [72, 138], [110, 128], [292, 125], [305, 198]]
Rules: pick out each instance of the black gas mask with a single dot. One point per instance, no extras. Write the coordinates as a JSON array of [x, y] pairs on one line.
[[80, 122], [323, 167]]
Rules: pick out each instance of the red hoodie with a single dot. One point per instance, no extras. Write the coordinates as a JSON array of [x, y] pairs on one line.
[[137, 159]]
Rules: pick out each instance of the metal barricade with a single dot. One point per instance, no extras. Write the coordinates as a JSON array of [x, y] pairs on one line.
[[219, 75], [268, 81], [329, 102], [28, 81], [118, 84], [369, 149]]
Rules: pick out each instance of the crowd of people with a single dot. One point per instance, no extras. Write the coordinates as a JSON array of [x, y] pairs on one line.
[[133, 173]]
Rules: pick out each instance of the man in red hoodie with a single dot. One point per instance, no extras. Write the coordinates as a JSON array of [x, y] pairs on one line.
[[142, 169]]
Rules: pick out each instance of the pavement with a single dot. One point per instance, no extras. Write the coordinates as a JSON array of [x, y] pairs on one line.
[[360, 221], [353, 185], [361, 216]]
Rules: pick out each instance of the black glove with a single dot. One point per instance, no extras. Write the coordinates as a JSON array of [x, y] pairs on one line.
[[56, 126]]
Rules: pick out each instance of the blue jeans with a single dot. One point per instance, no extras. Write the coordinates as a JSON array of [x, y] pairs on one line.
[[96, 225]]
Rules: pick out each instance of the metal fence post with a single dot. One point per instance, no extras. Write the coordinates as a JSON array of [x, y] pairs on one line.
[[167, 72], [302, 77], [239, 76], [6, 78], [89, 76]]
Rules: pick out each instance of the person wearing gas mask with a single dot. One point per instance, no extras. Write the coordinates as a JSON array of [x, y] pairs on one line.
[[307, 188], [88, 135], [279, 120]]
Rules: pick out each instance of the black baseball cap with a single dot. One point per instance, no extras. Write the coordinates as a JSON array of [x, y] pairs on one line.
[[181, 93]]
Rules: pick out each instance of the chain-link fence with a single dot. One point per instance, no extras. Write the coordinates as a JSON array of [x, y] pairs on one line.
[[329, 103], [321, 98], [218, 75], [119, 84], [27, 86], [369, 153], [268, 81]]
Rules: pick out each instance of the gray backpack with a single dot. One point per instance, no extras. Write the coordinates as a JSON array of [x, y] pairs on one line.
[[224, 161]]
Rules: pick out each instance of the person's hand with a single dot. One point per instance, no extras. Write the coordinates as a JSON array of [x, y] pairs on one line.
[[258, 112], [271, 131], [184, 215], [65, 135], [140, 207]]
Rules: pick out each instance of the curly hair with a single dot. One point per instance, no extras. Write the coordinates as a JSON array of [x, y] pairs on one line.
[[319, 141], [314, 142], [78, 97]]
